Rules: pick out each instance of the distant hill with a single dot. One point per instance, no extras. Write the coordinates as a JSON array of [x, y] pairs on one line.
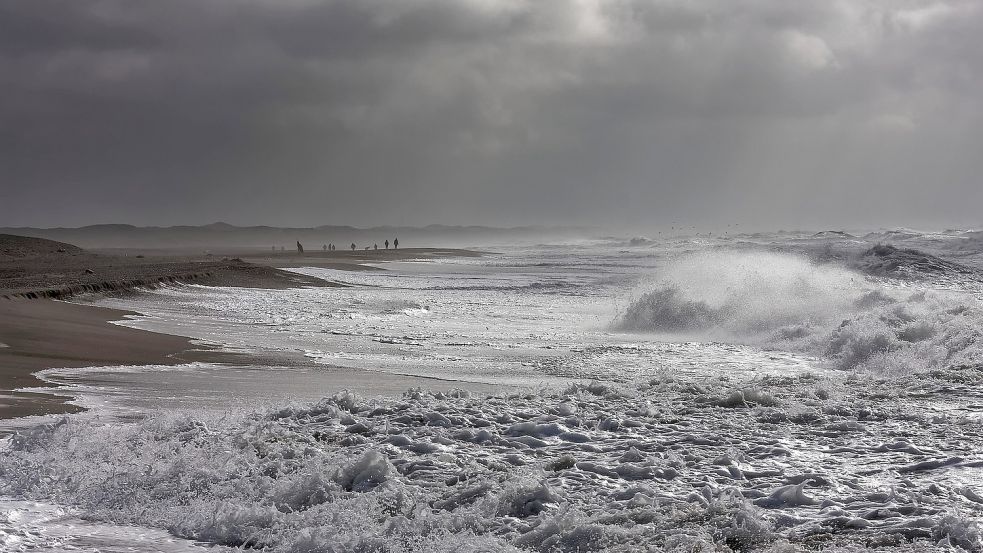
[[25, 247], [217, 236]]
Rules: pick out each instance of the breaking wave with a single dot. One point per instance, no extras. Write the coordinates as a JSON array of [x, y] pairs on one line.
[[785, 301], [889, 261]]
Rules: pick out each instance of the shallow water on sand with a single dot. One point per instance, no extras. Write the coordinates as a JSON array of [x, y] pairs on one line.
[[526, 319]]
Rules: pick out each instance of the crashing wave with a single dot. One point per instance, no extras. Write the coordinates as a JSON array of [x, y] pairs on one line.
[[786, 302], [900, 234], [889, 261]]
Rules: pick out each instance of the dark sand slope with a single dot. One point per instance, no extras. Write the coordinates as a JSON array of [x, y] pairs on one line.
[[36, 268]]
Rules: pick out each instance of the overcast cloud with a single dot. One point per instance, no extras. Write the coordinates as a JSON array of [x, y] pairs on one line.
[[504, 112]]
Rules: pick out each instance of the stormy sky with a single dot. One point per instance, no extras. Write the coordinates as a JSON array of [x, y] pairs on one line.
[[767, 113]]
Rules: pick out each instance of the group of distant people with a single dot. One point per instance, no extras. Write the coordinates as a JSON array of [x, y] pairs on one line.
[[376, 246], [332, 247]]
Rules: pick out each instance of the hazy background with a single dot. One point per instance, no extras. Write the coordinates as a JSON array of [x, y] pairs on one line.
[[621, 113]]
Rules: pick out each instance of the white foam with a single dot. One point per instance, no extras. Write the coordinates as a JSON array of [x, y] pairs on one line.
[[44, 528], [784, 301], [595, 466]]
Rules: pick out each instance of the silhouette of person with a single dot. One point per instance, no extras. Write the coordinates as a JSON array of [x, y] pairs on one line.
[[300, 249], [353, 246], [395, 243], [387, 243], [375, 246]]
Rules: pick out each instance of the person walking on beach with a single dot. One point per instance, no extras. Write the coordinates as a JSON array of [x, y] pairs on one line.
[[353, 246], [375, 246], [395, 243], [387, 243]]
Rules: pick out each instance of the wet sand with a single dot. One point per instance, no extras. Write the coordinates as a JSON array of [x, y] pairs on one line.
[[41, 334]]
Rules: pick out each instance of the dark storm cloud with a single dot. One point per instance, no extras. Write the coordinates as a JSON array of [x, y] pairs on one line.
[[491, 111]]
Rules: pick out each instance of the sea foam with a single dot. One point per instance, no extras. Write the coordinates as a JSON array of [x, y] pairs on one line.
[[670, 463]]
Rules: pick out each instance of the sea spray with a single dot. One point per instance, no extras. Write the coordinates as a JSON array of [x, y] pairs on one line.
[[784, 301]]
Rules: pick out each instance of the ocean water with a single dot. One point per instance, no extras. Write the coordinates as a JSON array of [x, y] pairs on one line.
[[770, 392]]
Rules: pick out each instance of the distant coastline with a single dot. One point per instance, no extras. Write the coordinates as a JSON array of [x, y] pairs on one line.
[[231, 239]]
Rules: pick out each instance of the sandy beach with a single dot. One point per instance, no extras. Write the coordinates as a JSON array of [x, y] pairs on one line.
[[35, 268], [40, 334], [37, 331]]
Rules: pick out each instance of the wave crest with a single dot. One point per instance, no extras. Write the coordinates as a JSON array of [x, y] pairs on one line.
[[784, 301]]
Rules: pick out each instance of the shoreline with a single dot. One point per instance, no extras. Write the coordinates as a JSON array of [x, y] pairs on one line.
[[39, 331], [45, 334]]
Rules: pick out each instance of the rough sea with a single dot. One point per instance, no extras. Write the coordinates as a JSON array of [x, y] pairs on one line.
[[775, 392]]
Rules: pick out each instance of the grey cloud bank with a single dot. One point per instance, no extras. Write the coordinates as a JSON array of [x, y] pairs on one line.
[[506, 112]]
